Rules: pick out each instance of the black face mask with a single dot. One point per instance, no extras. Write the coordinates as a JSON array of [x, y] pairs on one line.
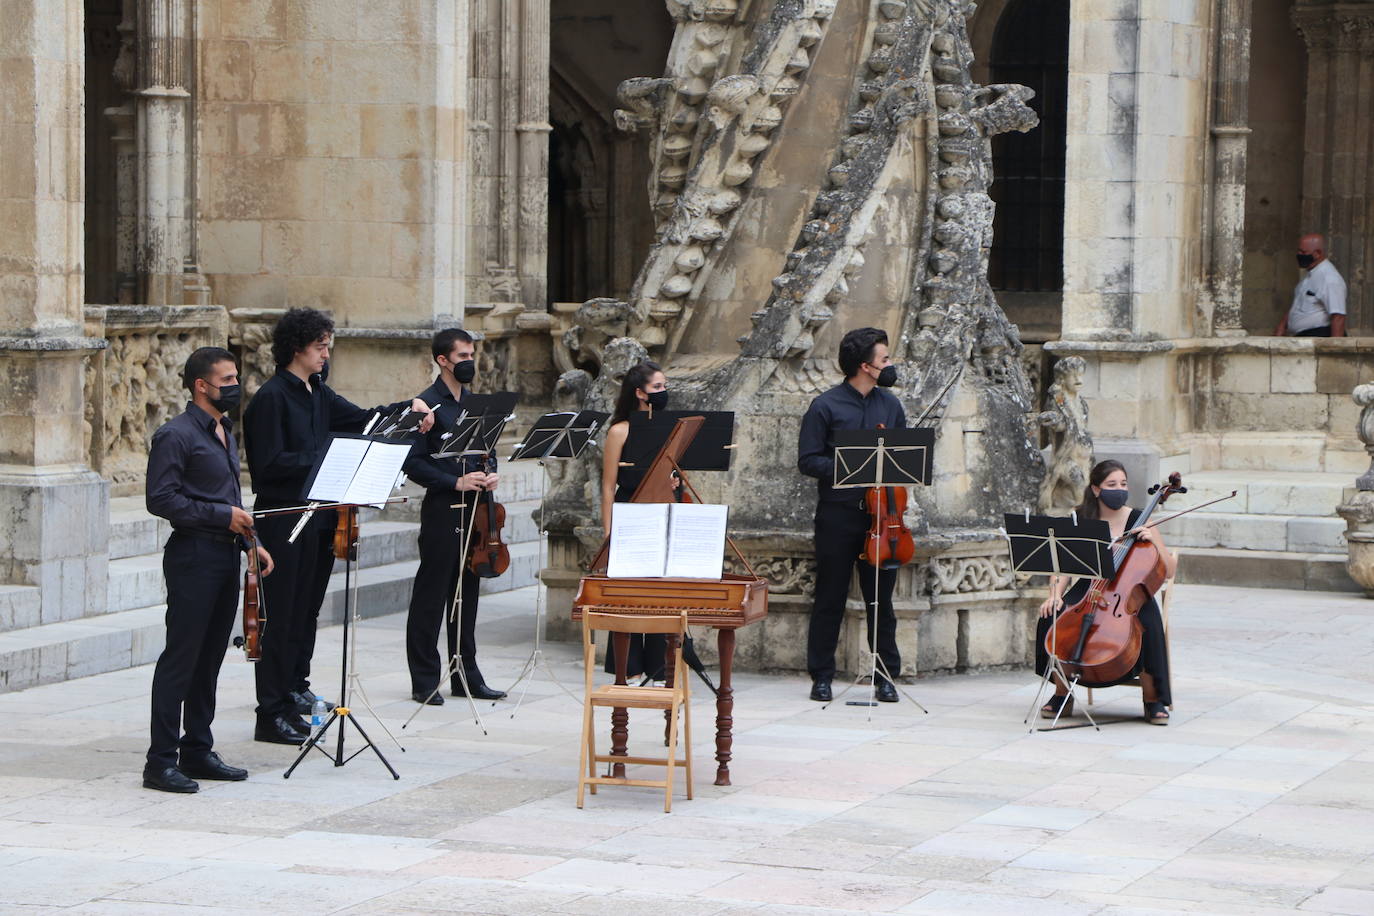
[[888, 377], [229, 397], [465, 371], [1114, 499], [658, 400], [1305, 260]]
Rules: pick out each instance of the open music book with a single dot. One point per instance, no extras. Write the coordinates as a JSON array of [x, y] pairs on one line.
[[357, 470], [668, 539]]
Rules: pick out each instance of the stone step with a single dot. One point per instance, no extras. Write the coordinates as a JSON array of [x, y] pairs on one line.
[[20, 607], [1299, 451], [1265, 492], [1264, 569], [1243, 531], [120, 639]]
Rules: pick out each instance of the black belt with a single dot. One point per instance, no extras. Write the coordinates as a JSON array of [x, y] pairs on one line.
[[209, 536]]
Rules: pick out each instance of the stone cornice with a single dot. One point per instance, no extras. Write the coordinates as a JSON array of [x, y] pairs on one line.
[[1335, 26]]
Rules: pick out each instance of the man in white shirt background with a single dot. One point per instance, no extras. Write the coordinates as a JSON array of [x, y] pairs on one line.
[[1318, 308]]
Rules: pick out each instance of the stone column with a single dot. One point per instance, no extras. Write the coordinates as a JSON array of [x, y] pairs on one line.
[[1230, 140], [54, 514], [1338, 165], [532, 137], [163, 99]]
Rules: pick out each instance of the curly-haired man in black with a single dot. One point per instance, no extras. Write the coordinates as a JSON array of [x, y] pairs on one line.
[[286, 431]]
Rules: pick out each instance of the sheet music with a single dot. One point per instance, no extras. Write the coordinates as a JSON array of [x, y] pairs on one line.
[[638, 543], [377, 473], [696, 540], [337, 470]]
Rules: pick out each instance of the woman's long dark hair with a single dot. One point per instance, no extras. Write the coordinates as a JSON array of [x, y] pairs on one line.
[[1100, 472], [636, 377]]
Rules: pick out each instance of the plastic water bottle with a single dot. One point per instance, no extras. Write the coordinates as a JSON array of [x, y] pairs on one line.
[[318, 713]]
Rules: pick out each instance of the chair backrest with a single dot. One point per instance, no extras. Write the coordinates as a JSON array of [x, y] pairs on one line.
[[635, 623]]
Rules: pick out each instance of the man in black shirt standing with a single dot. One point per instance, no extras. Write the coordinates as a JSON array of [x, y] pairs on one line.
[[842, 521], [441, 533], [286, 432], [193, 482]]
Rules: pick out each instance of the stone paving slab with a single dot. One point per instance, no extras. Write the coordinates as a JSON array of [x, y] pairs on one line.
[[1258, 798]]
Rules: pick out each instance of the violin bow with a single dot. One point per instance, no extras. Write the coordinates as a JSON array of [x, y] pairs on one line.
[[1210, 502]]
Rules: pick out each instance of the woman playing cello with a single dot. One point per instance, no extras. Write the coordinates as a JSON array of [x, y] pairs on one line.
[[1105, 498]]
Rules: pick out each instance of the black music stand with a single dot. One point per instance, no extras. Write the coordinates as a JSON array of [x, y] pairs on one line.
[[881, 458], [375, 473], [476, 432], [556, 436], [1050, 546]]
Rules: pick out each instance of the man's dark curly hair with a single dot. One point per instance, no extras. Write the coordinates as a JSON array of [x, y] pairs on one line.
[[296, 330]]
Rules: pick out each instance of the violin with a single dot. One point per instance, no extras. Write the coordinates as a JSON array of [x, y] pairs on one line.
[[889, 543], [1098, 639], [254, 608], [490, 556], [346, 534]]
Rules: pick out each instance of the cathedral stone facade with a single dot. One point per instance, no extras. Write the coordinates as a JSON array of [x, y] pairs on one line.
[[725, 185]]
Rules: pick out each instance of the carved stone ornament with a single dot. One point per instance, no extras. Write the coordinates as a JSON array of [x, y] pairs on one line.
[[1358, 511], [1071, 445]]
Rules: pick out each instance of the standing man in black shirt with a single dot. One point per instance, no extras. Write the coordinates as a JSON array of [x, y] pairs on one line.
[[441, 533], [842, 521], [193, 482], [286, 432]]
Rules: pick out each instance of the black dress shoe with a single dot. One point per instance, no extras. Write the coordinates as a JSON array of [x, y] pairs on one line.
[[479, 691], [305, 701], [887, 691], [428, 699], [279, 730], [209, 766], [820, 690], [168, 779]]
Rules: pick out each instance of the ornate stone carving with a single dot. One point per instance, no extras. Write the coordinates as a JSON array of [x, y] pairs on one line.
[[786, 575], [967, 575], [1358, 511], [1071, 445]]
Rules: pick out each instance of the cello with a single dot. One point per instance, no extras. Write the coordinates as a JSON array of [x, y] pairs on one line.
[[1097, 641]]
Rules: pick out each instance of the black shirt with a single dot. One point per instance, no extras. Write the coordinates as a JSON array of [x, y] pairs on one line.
[[193, 480], [286, 430], [842, 407], [439, 473]]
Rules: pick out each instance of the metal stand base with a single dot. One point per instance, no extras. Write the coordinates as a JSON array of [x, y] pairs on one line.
[[877, 663], [340, 714], [454, 669]]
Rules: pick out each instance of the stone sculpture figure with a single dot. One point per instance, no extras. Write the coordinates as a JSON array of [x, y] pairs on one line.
[[1358, 511], [1071, 446]]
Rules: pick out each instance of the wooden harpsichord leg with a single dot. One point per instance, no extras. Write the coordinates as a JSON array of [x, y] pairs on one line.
[[620, 716], [725, 706]]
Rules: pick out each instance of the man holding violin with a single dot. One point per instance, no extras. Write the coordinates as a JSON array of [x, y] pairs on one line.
[[193, 482], [860, 402], [451, 486]]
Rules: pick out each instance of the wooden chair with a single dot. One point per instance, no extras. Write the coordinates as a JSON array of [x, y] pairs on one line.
[[1162, 596], [669, 699]]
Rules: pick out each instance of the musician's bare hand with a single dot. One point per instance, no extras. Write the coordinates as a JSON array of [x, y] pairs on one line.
[[265, 561], [427, 421], [1051, 606], [471, 481], [491, 481], [240, 520], [1143, 534]]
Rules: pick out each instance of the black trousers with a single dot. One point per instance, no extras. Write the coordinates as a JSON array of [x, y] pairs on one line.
[[293, 594], [1323, 331], [1154, 649], [431, 594], [840, 532], [202, 602]]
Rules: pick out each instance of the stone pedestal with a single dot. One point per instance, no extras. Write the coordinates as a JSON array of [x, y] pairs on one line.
[[54, 535]]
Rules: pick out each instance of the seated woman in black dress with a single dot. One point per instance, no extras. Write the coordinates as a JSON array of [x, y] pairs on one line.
[[1105, 498], [644, 387]]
